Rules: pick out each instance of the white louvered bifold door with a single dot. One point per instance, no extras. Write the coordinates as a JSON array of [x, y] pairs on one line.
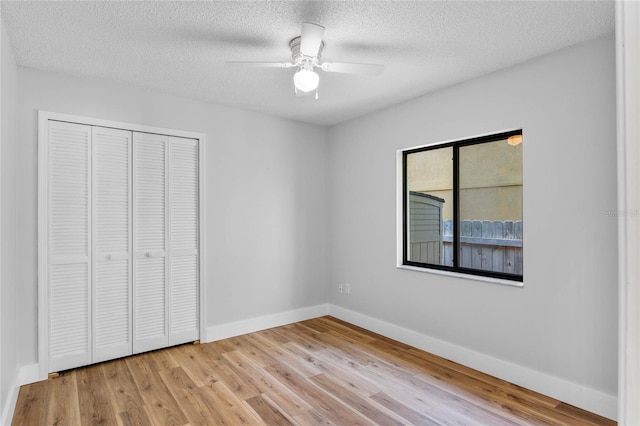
[[183, 240], [119, 242], [69, 244], [111, 238], [150, 291]]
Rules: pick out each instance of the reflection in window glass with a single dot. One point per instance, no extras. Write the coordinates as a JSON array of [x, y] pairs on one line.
[[430, 195], [491, 207]]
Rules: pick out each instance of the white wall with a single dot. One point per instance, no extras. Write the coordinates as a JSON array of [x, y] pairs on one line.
[[628, 111], [265, 194], [9, 99], [563, 322]]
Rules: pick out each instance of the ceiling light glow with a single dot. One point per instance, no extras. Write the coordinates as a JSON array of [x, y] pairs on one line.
[[306, 80]]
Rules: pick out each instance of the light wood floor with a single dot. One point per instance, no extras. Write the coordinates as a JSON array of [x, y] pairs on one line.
[[321, 371]]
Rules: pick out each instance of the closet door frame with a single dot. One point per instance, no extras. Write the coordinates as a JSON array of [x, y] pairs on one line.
[[43, 241]]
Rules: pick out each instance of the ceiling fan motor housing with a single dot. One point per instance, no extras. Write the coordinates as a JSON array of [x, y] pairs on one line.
[[301, 60]]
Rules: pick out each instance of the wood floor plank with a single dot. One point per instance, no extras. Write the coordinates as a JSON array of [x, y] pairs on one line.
[[581, 416], [330, 407], [468, 413], [213, 405], [472, 384], [268, 411], [445, 363], [290, 402], [233, 377], [334, 341], [375, 336], [420, 401], [444, 386], [234, 410], [32, 404], [135, 416], [63, 406], [301, 335], [411, 416], [451, 395], [255, 347], [416, 358], [314, 324], [446, 415], [230, 344], [405, 377], [345, 330], [126, 396], [466, 387], [187, 396], [195, 361], [313, 417], [364, 406], [95, 405], [214, 349], [163, 359], [272, 335], [319, 371], [518, 399], [355, 382], [298, 360], [160, 405]]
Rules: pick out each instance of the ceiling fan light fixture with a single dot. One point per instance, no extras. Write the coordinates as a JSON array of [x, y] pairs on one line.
[[306, 80]]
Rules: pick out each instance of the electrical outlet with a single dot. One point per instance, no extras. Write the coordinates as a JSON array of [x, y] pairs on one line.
[[339, 288], [347, 288]]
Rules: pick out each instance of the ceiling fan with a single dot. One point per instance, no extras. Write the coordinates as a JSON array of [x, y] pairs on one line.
[[306, 51]]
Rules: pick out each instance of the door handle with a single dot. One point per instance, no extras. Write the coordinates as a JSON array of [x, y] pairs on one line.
[[157, 253], [121, 256]]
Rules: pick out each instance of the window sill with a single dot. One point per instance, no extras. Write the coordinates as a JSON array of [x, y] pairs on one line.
[[463, 276]]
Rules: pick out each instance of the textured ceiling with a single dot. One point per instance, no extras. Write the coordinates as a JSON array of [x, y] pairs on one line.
[[181, 47]]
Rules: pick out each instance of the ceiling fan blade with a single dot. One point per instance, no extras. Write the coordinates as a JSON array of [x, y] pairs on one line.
[[310, 39], [261, 64], [351, 68]]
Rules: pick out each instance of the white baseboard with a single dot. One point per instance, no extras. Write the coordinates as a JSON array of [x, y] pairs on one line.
[[231, 329], [9, 406], [26, 374], [30, 374], [563, 390]]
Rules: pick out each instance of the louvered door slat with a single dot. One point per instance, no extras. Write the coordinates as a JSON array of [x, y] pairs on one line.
[[184, 231], [111, 310], [69, 311], [69, 242], [68, 189], [111, 278], [150, 292], [184, 299], [150, 299]]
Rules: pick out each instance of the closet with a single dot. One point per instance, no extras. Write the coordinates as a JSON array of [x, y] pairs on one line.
[[119, 241]]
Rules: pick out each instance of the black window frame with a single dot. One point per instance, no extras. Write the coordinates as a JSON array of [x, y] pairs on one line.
[[455, 145]]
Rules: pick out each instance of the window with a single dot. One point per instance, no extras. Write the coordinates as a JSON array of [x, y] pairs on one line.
[[462, 206]]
